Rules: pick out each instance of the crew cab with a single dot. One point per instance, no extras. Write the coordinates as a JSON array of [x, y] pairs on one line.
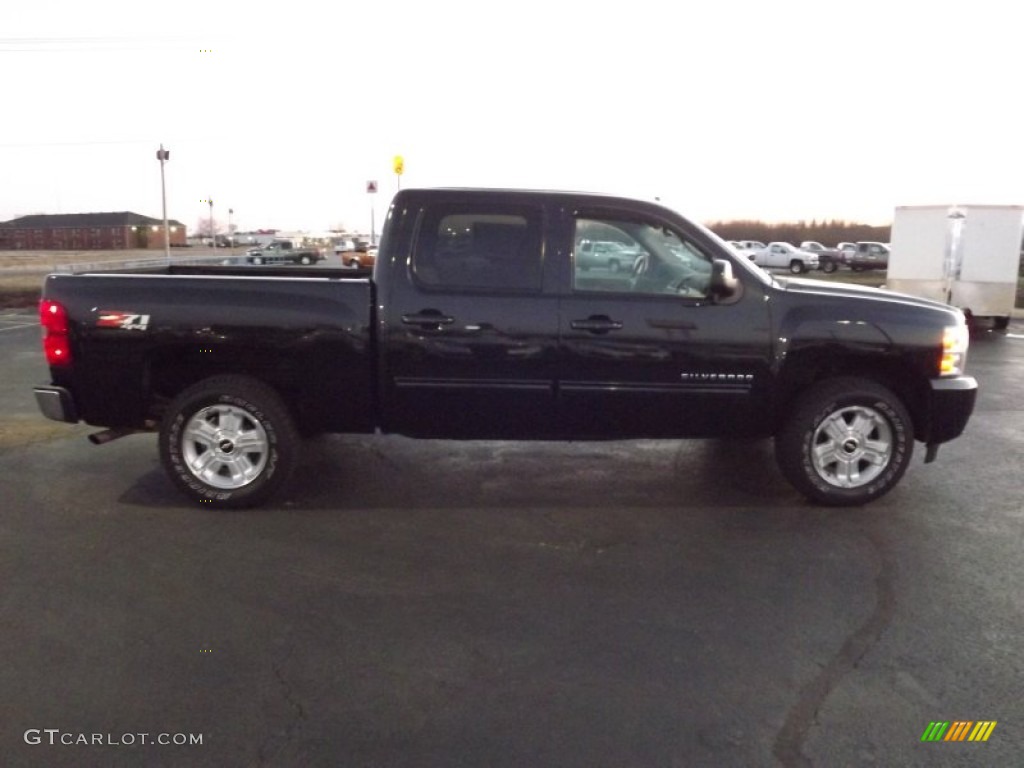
[[479, 322], [279, 251]]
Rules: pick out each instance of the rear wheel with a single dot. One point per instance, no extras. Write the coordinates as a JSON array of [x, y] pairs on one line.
[[306, 260], [829, 267], [848, 441], [228, 441]]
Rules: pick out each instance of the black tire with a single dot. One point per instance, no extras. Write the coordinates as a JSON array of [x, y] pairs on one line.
[[829, 267], [201, 433], [305, 260], [1001, 323], [256, 260], [796, 266], [871, 437]]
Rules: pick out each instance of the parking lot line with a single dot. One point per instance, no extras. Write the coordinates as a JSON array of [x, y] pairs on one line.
[[15, 322]]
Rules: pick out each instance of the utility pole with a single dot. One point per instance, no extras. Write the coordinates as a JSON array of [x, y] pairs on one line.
[[371, 189], [163, 155]]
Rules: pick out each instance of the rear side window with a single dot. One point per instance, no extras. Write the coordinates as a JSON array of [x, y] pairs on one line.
[[479, 250]]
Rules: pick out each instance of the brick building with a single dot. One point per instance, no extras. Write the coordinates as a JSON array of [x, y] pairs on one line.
[[87, 231]]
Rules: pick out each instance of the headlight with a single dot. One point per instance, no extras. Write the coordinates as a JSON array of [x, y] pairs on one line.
[[955, 339]]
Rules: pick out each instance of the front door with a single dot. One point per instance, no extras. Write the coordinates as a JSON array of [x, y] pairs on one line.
[[647, 352]]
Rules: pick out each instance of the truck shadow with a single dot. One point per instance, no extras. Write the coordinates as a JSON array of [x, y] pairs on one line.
[[355, 472], [352, 472]]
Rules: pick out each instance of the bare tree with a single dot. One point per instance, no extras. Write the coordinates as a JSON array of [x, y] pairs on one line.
[[204, 228]]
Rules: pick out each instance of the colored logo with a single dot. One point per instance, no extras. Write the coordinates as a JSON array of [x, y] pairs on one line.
[[125, 320], [959, 730]]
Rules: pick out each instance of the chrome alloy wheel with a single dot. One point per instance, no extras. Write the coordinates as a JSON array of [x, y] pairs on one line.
[[225, 446], [852, 447]]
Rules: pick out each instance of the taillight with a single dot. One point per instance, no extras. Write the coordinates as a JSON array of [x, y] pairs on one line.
[[56, 343]]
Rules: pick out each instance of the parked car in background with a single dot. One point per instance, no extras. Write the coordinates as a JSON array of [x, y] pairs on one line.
[[364, 255], [785, 256], [870, 255], [829, 259], [846, 251], [750, 245], [283, 251], [343, 246], [605, 254]]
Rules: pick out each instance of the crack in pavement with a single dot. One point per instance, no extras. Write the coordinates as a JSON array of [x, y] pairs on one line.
[[263, 758], [790, 739]]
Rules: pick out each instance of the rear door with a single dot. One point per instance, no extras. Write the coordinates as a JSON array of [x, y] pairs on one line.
[[470, 341]]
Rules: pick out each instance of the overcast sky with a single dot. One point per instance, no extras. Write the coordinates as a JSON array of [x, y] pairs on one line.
[[781, 110]]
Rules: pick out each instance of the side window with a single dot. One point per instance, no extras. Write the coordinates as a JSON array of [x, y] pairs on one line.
[[479, 250], [637, 257]]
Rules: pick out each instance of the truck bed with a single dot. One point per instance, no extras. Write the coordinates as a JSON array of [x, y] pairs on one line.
[[138, 335]]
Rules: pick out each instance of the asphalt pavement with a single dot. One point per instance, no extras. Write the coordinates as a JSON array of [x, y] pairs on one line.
[[414, 603]]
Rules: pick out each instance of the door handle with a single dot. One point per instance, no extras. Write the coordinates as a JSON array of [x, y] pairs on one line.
[[428, 318], [596, 324]]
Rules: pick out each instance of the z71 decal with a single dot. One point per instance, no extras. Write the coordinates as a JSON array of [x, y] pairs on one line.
[[128, 321]]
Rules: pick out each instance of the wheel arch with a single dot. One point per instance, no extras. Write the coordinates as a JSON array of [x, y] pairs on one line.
[[808, 367], [172, 371]]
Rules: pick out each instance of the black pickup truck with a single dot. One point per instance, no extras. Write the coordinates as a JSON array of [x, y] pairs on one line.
[[478, 322]]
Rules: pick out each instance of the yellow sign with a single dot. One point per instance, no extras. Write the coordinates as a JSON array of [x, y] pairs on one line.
[[399, 164]]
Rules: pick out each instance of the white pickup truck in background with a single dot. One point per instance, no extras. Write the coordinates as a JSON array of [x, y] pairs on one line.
[[785, 256]]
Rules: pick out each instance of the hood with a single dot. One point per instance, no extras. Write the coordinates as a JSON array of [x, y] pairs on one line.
[[853, 291]]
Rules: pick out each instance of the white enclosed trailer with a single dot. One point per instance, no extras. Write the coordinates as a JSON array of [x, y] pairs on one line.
[[964, 255]]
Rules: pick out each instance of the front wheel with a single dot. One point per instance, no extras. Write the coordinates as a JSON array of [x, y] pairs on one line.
[[305, 260], [796, 266], [847, 442], [228, 441]]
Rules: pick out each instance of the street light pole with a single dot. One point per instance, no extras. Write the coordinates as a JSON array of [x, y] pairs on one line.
[[231, 232], [213, 233], [163, 155]]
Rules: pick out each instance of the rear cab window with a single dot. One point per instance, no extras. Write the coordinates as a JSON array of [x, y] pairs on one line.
[[479, 248]]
